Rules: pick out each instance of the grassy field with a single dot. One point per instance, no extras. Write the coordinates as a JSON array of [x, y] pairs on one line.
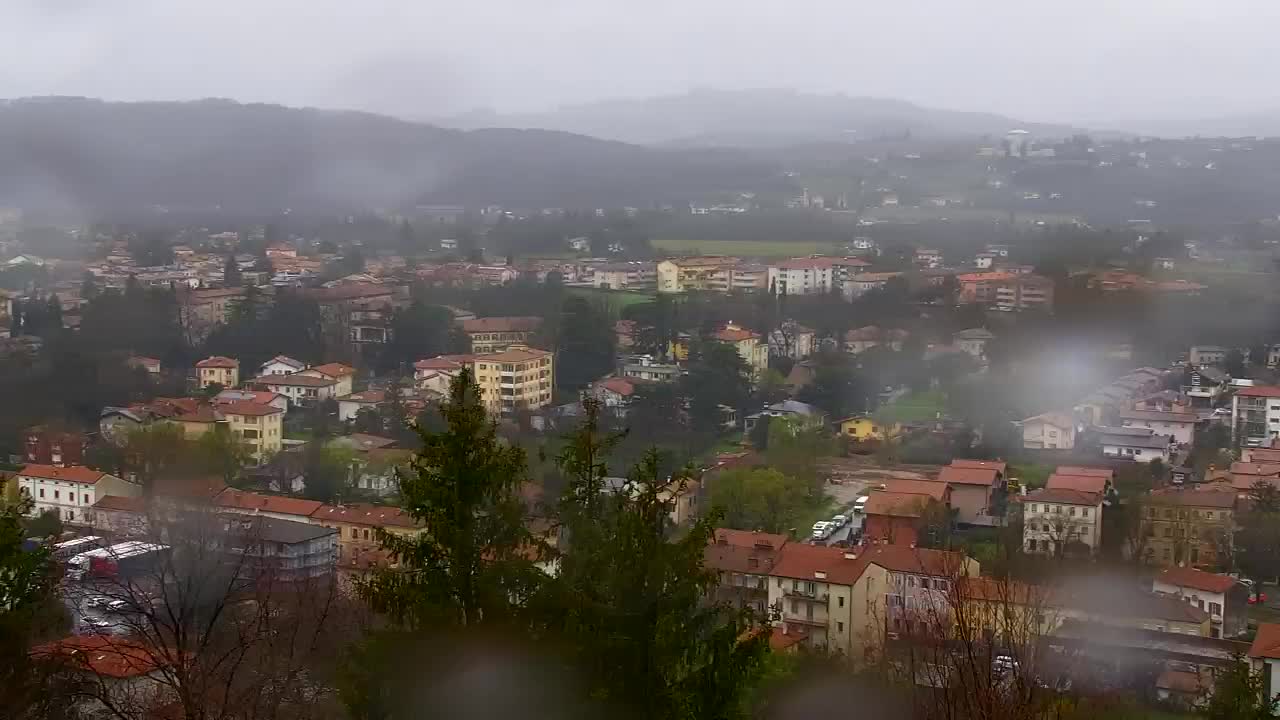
[[914, 407], [745, 248], [617, 300]]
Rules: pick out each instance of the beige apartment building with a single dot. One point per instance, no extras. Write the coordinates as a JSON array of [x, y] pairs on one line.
[[224, 371], [517, 378], [694, 273], [256, 424], [495, 334]]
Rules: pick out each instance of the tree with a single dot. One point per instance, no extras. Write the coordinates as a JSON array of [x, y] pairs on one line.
[[629, 604], [759, 499], [221, 453], [152, 450], [717, 377], [1264, 497], [326, 469], [1256, 545], [27, 581], [231, 276], [794, 446], [466, 567], [1234, 363], [586, 345], [1240, 693], [418, 331], [45, 525]]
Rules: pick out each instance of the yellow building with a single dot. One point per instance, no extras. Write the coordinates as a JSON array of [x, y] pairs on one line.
[[865, 427], [518, 378], [754, 352], [223, 371], [695, 273], [495, 334], [259, 426], [357, 525]]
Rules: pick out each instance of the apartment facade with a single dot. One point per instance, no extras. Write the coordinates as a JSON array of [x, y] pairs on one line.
[[1060, 521], [518, 378], [625, 276], [495, 334], [218, 370], [694, 273], [802, 276], [1221, 596], [749, 346], [70, 491], [257, 425], [357, 526], [1255, 415], [1188, 527]]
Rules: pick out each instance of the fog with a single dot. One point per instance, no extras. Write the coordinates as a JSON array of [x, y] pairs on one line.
[[1145, 65]]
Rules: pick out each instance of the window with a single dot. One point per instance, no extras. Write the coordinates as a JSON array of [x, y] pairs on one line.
[[1215, 608], [86, 499], [366, 534], [1033, 507], [841, 603], [1208, 514], [795, 607], [1084, 512], [839, 626], [55, 494], [41, 492], [1071, 511]]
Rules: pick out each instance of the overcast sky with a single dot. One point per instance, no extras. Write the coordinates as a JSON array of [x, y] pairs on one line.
[[1086, 61]]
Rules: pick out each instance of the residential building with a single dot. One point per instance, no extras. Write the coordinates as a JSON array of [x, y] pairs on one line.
[[343, 376], [803, 276], [821, 593], [272, 550], [694, 273], [118, 516], [747, 277], [518, 378], [1050, 431], [1062, 521], [792, 340], [860, 284], [1207, 354], [743, 561], [866, 427], [70, 491], [973, 341], [260, 427], [122, 672], [1188, 527], [754, 353], [437, 373], [1137, 444], [983, 261], [495, 334], [218, 370], [148, 364], [1255, 415], [202, 310], [1205, 385], [625, 276], [1172, 401], [1264, 657], [279, 507], [281, 365], [44, 445], [261, 397], [350, 405], [1180, 426], [1006, 290], [928, 258], [972, 489], [1223, 597], [613, 392], [357, 526], [301, 389], [861, 339], [895, 518], [643, 367]]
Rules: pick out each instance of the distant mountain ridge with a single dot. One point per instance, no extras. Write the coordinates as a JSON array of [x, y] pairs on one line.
[[756, 118], [63, 152]]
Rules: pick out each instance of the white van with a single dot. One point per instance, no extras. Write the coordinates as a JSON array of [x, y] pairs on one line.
[[821, 530], [860, 505]]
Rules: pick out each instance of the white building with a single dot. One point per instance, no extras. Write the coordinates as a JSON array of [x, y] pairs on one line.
[[1222, 596], [1137, 444], [803, 276], [300, 389], [342, 376], [281, 365], [1054, 520], [792, 340], [1181, 426], [1050, 431], [70, 491]]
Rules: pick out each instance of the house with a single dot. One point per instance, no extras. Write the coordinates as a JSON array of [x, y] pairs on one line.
[[895, 517], [861, 339], [1264, 657], [1164, 401], [350, 405], [1180, 426], [438, 372], [972, 490], [928, 258], [786, 409], [1222, 596], [973, 341], [260, 427], [343, 376], [1244, 475], [281, 365], [115, 423], [613, 392], [677, 275], [857, 285], [261, 397], [983, 261], [119, 516], [803, 276], [635, 275], [518, 378], [112, 673], [495, 334], [866, 427], [1255, 415], [279, 507], [70, 491], [44, 445], [1137, 444], [269, 549], [1049, 431], [643, 367], [1006, 290], [1061, 521], [218, 370], [1188, 527], [376, 472], [1205, 385], [1207, 355], [148, 364], [357, 526], [792, 340], [753, 352], [1083, 480], [742, 561], [300, 389]]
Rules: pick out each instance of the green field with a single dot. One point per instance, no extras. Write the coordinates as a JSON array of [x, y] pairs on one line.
[[915, 407], [744, 248], [617, 300]]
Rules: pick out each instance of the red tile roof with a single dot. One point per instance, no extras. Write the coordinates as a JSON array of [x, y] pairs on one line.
[[502, 324], [1266, 644], [1080, 483], [514, 353], [748, 538], [444, 362], [892, 504], [368, 396], [803, 562], [735, 334], [1259, 391], [1063, 495], [261, 502], [782, 637], [1197, 579], [107, 656], [968, 476], [337, 371], [1086, 470], [931, 488], [621, 386], [122, 503], [1193, 498], [1256, 469], [70, 473], [922, 561], [1263, 455], [1159, 415], [218, 361], [245, 407], [998, 465], [364, 514]]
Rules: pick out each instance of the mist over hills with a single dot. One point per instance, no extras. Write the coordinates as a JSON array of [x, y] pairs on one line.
[[757, 118], [79, 153]]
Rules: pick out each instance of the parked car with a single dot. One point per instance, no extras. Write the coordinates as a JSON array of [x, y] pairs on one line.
[[860, 505], [821, 530], [96, 601], [97, 625], [840, 520], [117, 606]]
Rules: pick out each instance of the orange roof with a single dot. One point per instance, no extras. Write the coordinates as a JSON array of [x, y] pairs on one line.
[[333, 370], [748, 538], [1266, 644], [931, 488], [1255, 469], [892, 504], [502, 324], [246, 407], [1259, 391], [984, 277], [806, 263], [364, 514], [108, 656], [923, 561], [514, 354], [1079, 483], [804, 562], [621, 386], [1197, 579], [968, 476], [1063, 495], [1086, 470], [998, 465], [70, 473], [261, 502], [295, 381], [218, 361], [444, 362], [782, 637], [122, 503], [735, 334], [1264, 455], [367, 396]]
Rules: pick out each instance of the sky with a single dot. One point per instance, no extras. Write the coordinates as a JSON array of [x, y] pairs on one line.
[[1094, 62]]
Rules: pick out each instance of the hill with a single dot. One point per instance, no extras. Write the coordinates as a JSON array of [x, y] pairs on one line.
[[757, 118], [81, 153]]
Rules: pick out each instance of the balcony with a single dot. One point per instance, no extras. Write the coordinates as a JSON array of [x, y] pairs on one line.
[[806, 595]]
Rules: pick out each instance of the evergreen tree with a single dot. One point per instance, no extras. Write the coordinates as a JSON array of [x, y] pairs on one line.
[[89, 287], [231, 276], [586, 345], [467, 565]]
